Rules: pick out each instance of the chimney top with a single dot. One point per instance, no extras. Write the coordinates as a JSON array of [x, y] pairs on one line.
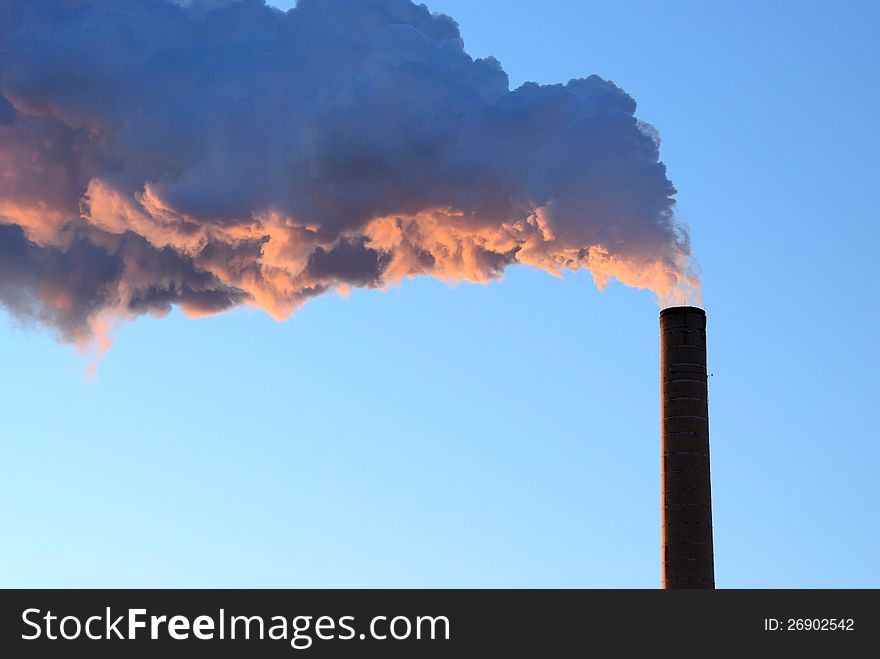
[[683, 309]]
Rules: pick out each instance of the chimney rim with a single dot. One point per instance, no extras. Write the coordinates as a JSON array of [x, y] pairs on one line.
[[683, 309]]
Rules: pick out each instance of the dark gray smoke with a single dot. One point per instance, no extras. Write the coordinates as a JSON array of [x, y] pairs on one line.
[[208, 154]]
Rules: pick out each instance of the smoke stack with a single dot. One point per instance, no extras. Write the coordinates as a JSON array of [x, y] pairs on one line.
[[688, 557]]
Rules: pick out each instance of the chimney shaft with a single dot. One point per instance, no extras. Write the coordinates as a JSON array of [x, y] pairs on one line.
[[688, 559]]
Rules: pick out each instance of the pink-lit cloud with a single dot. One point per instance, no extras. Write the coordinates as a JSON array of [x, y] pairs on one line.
[[209, 154]]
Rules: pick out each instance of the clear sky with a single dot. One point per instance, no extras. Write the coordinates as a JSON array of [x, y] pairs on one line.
[[507, 435]]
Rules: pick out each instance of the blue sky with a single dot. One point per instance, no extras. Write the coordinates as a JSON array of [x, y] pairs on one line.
[[507, 435]]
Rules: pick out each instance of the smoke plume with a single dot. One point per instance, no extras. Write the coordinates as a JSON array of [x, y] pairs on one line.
[[214, 153]]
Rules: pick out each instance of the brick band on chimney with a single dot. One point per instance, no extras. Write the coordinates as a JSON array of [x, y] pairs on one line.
[[688, 557]]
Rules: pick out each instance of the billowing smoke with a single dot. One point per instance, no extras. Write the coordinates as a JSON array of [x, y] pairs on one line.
[[213, 153]]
